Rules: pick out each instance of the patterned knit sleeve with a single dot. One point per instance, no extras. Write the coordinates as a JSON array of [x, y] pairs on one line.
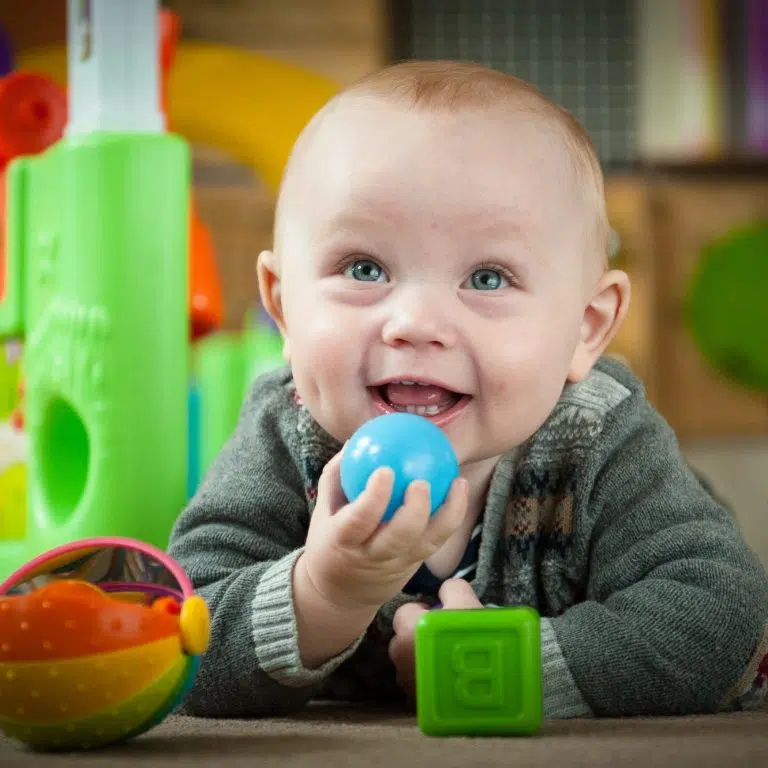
[[238, 541], [675, 616]]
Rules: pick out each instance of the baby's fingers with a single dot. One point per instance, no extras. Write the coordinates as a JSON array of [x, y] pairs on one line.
[[447, 519], [406, 617], [458, 594], [407, 525], [401, 652], [358, 520]]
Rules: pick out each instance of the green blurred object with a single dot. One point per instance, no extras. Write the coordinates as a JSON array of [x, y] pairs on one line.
[[10, 367], [727, 305], [225, 366], [97, 289]]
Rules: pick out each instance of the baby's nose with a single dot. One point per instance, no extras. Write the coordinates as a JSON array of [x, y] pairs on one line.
[[420, 321]]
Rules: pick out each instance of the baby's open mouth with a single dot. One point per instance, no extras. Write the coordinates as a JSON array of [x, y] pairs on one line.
[[421, 398]]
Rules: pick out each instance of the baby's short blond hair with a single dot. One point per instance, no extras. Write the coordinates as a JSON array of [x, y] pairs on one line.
[[458, 85]]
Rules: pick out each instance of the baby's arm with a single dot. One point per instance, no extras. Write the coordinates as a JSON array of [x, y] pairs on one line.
[[677, 605], [238, 541]]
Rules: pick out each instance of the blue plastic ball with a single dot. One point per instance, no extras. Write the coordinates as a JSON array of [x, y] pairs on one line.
[[412, 446]]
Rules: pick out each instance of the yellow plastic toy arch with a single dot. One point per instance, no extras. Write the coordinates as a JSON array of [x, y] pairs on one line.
[[246, 104]]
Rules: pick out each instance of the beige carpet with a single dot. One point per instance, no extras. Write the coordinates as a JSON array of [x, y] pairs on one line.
[[344, 737]]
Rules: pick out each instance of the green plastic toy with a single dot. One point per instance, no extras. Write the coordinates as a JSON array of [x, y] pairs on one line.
[[96, 285], [727, 305], [13, 468], [478, 672], [97, 264]]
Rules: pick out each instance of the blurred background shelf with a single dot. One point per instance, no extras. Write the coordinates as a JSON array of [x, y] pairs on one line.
[[723, 169], [675, 96]]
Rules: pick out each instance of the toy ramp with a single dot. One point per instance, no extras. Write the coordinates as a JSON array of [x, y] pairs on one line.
[[246, 104]]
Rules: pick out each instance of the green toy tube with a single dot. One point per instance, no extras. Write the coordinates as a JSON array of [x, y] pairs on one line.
[[96, 285], [226, 365], [219, 375]]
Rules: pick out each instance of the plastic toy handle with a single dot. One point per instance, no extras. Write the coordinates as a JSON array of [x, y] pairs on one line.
[[12, 203]]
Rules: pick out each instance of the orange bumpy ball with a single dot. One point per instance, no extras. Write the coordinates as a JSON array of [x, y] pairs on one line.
[[80, 668]]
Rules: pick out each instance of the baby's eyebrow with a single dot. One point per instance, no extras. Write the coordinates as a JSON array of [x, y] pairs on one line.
[[500, 228], [353, 220]]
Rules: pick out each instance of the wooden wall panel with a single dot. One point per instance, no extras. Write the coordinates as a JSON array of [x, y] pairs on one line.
[[343, 39], [628, 212], [32, 23], [695, 398]]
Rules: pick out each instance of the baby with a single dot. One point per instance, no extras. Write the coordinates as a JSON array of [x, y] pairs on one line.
[[440, 248]]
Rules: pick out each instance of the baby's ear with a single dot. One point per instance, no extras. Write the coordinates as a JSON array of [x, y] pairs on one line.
[[602, 319], [271, 293], [269, 287]]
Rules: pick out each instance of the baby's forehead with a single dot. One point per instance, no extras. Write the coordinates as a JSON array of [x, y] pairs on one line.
[[377, 150], [365, 115], [362, 133]]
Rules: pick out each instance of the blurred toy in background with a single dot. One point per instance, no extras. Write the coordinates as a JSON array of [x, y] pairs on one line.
[[12, 442], [33, 114], [223, 369], [33, 117], [727, 306], [96, 283], [111, 202], [13, 445]]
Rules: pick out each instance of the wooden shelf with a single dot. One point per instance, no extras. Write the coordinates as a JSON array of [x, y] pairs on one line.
[[702, 170]]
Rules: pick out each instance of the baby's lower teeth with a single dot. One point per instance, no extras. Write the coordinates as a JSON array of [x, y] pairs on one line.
[[421, 410]]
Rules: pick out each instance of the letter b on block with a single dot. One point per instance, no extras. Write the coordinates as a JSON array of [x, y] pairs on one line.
[[478, 672]]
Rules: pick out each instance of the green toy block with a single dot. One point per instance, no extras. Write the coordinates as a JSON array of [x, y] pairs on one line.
[[478, 672]]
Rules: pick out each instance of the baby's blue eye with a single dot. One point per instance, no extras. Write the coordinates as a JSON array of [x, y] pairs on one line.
[[365, 271], [488, 280]]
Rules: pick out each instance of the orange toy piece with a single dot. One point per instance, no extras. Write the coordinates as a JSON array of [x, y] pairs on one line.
[[70, 618], [33, 114], [170, 29], [206, 303]]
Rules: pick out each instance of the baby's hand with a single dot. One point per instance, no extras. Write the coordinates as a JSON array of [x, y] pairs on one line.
[[352, 559], [454, 594]]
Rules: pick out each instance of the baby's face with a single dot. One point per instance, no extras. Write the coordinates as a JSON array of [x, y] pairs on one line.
[[434, 264]]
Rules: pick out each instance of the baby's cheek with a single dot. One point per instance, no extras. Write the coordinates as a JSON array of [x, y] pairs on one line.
[[326, 364], [318, 337], [523, 377], [509, 367]]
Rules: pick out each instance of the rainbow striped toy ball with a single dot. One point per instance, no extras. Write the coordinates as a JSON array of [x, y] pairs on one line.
[[99, 641]]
